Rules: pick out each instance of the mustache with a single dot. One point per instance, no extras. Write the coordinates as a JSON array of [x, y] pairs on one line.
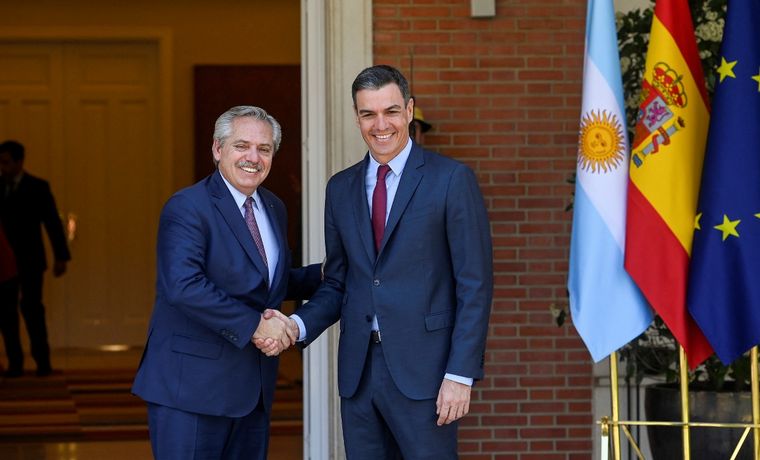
[[249, 164]]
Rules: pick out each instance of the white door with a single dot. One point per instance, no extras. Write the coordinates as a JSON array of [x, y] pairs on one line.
[[88, 115]]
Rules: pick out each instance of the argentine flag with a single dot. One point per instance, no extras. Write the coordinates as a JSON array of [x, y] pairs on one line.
[[607, 308]]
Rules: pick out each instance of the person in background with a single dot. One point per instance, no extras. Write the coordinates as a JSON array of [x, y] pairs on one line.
[[222, 259], [409, 275], [418, 127], [26, 205]]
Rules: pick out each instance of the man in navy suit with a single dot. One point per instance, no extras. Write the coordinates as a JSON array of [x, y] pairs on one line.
[[409, 276], [222, 260], [26, 205]]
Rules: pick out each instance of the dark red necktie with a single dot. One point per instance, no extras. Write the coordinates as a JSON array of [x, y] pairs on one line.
[[379, 200]]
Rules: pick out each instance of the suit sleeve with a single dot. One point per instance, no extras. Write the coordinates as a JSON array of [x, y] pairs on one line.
[[469, 240], [324, 307], [53, 224], [183, 243], [303, 282]]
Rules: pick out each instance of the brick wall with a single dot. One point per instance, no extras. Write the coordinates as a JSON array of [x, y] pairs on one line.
[[503, 95]]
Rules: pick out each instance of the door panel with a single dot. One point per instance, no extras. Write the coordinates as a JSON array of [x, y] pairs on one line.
[[89, 119]]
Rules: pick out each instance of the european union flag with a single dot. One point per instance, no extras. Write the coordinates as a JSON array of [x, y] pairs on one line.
[[724, 280]]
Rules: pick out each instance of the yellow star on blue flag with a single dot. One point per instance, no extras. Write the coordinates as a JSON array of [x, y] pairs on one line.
[[726, 69], [728, 227]]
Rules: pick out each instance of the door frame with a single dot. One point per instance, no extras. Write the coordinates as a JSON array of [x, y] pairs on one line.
[[336, 44]]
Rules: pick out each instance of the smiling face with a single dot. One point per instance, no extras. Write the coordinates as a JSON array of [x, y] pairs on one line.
[[245, 157], [383, 120]]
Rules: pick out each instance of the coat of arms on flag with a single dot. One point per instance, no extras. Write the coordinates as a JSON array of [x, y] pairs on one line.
[[661, 93]]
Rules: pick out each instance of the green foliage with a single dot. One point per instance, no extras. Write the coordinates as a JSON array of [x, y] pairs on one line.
[[633, 40], [655, 354]]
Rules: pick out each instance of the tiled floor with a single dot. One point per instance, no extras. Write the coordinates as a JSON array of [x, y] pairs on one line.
[[281, 448], [285, 447]]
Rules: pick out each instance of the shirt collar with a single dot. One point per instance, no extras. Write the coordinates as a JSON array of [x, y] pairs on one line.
[[239, 196], [15, 180], [397, 163]]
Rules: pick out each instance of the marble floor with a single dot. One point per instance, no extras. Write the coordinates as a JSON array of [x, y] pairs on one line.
[[282, 447]]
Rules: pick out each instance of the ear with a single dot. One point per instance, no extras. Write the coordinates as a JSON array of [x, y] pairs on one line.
[[216, 149], [410, 109]]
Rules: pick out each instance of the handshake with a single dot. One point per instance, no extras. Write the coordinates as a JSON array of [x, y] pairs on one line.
[[276, 333]]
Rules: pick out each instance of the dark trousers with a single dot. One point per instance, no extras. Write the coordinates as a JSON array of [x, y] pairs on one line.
[[380, 423], [33, 311], [179, 435]]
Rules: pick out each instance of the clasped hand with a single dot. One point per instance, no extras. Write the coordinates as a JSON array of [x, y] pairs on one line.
[[275, 334]]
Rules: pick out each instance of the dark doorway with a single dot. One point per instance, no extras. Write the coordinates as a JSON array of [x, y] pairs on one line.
[[276, 89]]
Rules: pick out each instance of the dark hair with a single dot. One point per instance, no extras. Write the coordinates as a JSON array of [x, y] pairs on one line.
[[376, 77], [14, 148]]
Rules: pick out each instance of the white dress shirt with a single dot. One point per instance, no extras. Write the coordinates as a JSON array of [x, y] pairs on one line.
[[265, 227]]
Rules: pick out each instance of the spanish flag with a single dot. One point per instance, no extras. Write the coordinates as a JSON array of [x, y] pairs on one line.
[[665, 171]]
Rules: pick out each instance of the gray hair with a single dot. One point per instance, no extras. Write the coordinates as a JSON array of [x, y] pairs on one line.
[[223, 125], [376, 77]]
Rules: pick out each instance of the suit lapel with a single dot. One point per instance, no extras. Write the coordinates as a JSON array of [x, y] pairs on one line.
[[410, 179], [226, 206], [357, 190]]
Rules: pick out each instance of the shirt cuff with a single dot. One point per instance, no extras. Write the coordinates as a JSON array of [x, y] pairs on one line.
[[301, 327], [459, 379]]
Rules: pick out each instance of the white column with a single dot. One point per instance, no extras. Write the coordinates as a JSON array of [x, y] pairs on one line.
[[336, 43]]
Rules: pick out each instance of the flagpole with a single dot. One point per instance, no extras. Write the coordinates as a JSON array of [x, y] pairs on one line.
[[755, 403], [615, 408], [605, 443], [684, 371]]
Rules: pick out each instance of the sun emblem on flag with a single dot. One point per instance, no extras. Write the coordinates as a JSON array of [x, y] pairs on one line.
[[601, 144]]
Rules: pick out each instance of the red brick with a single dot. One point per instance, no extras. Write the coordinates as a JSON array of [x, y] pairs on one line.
[[542, 446], [503, 94]]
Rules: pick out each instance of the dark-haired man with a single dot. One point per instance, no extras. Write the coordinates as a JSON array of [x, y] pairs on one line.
[[409, 276], [26, 204]]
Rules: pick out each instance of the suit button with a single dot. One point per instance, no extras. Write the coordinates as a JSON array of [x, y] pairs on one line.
[[376, 282], [368, 318]]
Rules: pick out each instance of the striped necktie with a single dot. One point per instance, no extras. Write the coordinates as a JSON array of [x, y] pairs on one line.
[[250, 221]]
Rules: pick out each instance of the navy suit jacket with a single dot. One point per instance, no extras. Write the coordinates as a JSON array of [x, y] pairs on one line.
[[210, 292], [23, 214], [430, 285]]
